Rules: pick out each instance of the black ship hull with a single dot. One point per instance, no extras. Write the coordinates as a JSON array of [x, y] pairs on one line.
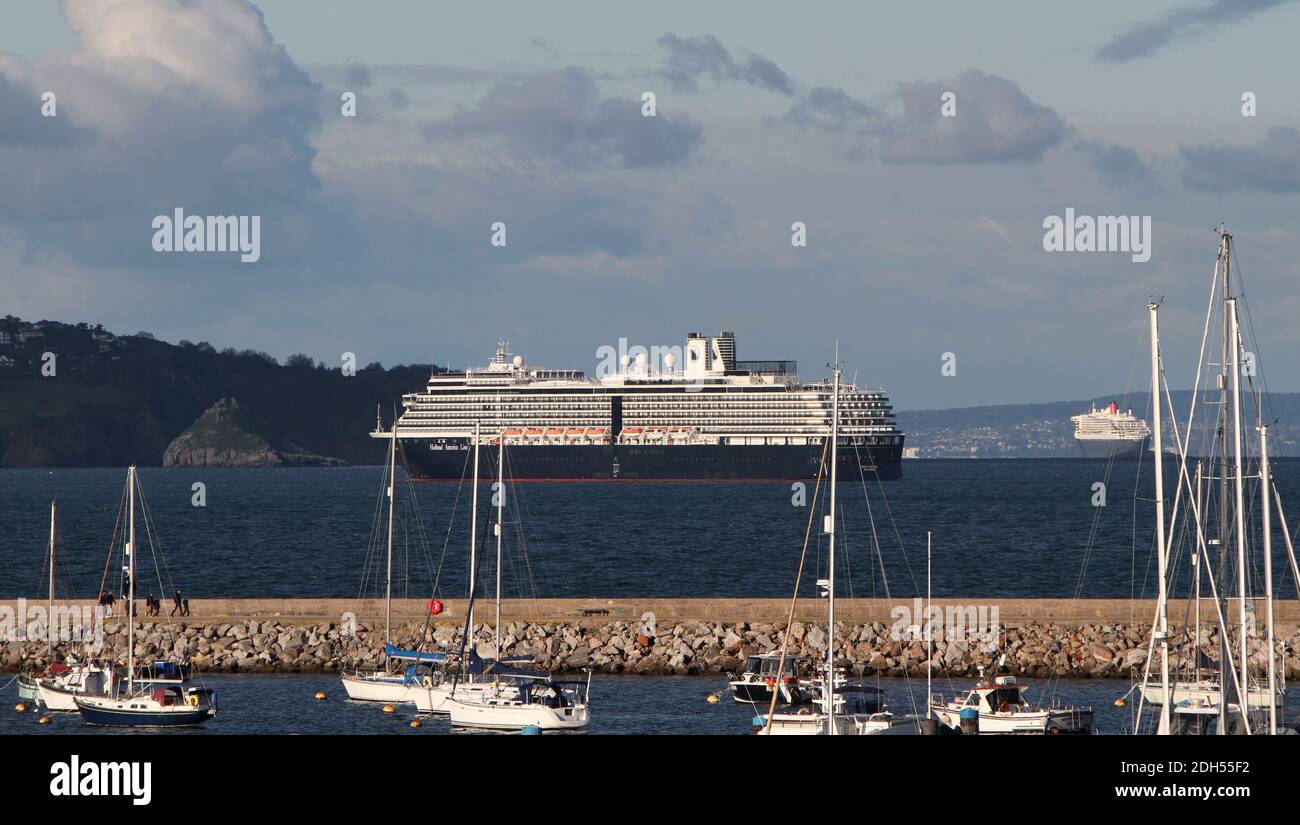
[[451, 460]]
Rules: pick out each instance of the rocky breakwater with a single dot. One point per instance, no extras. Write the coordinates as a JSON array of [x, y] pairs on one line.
[[1039, 650]]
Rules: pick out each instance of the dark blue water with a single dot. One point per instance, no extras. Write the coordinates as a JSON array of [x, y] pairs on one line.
[[1001, 528], [285, 704]]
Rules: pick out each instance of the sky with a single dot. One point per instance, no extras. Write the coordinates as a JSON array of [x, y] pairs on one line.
[[924, 232]]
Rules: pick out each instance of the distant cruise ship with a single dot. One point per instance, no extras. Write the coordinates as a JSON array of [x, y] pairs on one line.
[[1108, 432], [714, 418]]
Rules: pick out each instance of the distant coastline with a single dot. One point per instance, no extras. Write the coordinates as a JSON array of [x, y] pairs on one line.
[[117, 399], [109, 400]]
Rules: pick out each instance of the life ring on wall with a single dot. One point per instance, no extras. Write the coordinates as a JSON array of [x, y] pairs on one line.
[[433, 606]]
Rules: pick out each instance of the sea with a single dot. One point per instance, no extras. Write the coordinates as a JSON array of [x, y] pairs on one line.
[[287, 704], [998, 528]]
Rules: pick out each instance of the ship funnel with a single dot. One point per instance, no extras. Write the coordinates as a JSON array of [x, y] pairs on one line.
[[724, 351]]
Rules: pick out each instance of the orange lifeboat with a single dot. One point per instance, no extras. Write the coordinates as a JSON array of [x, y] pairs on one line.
[[534, 431], [631, 431], [514, 431], [555, 431], [574, 431], [594, 431]]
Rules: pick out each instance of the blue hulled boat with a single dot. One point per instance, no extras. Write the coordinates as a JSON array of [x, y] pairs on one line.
[[162, 707], [156, 695]]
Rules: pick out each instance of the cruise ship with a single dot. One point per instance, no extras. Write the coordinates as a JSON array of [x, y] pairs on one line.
[[1107, 432], [709, 417]]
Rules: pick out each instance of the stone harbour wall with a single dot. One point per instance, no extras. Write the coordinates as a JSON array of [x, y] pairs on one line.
[[1039, 649]]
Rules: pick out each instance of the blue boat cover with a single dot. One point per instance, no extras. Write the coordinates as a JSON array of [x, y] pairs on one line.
[[414, 655], [479, 666]]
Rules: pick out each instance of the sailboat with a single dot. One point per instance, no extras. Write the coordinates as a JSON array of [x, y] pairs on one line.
[[473, 677], [29, 689], [1207, 696], [164, 701], [496, 694], [387, 685], [61, 681], [841, 707]]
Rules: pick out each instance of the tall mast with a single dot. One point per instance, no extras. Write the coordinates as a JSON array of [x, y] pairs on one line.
[[49, 614], [388, 591], [130, 585], [830, 557], [1196, 571], [1264, 481], [1221, 529], [1162, 629], [473, 543], [501, 502], [929, 632], [1244, 687]]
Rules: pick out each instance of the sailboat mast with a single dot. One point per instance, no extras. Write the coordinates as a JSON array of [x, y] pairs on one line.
[[1196, 571], [1162, 552], [1241, 506], [49, 614], [388, 589], [501, 502], [473, 542], [1264, 482], [1221, 531], [929, 631], [830, 556], [130, 585]]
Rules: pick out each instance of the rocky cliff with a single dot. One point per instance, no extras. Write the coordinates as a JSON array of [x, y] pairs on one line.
[[226, 436], [120, 399]]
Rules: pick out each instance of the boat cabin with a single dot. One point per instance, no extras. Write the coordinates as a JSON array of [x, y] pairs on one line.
[[764, 665], [167, 696], [1002, 695]]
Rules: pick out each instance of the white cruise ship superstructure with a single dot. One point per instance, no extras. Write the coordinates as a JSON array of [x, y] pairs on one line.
[[1107, 432], [711, 417]]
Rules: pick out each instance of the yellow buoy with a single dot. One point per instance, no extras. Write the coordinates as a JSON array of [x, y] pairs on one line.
[[1119, 703], [389, 708], [416, 723], [21, 707], [713, 699], [44, 720], [320, 694]]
